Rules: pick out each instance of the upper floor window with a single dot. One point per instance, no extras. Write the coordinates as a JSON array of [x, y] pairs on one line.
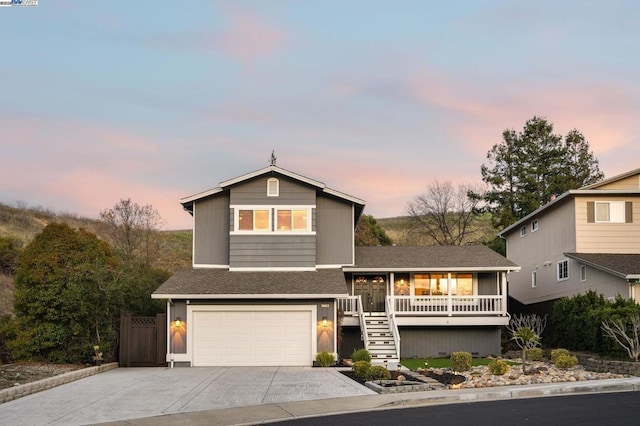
[[563, 270], [610, 211], [534, 225], [273, 187], [272, 219], [523, 231], [583, 273]]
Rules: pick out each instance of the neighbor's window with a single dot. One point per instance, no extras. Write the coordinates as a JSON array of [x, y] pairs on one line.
[[402, 285], [534, 279], [283, 220], [563, 270], [583, 273], [273, 187], [534, 225], [523, 231], [462, 284], [610, 211]]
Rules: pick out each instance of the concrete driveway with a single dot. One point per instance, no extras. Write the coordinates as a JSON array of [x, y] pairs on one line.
[[130, 393]]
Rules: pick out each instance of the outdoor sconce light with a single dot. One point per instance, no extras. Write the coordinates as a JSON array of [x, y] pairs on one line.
[[325, 323], [177, 323]]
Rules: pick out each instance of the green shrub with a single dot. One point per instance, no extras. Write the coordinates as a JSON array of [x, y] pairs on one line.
[[461, 361], [534, 354], [498, 367], [361, 355], [565, 361], [555, 353], [361, 369], [378, 372], [325, 359]]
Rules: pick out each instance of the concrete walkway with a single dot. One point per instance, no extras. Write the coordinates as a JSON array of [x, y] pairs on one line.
[[234, 396]]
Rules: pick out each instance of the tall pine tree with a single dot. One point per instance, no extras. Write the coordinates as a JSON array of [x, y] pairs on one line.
[[528, 168]]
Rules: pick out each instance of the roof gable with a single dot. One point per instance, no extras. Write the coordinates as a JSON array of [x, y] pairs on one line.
[[187, 202]]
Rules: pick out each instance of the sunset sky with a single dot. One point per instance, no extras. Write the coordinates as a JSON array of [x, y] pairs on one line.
[[156, 101]]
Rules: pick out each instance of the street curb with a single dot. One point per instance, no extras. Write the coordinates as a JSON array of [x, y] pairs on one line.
[[19, 391]]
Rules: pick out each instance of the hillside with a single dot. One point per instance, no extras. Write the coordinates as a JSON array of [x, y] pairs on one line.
[[23, 224]]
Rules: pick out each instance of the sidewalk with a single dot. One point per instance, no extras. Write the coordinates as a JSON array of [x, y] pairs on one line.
[[286, 411]]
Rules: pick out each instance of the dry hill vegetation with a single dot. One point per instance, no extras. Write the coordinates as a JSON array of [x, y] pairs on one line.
[[23, 223]]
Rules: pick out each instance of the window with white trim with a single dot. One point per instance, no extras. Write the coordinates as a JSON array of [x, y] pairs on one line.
[[563, 270], [281, 219], [534, 279], [273, 187], [583, 273], [523, 231], [610, 211], [534, 225]]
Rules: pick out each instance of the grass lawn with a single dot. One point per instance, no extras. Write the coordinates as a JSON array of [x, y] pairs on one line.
[[415, 363]]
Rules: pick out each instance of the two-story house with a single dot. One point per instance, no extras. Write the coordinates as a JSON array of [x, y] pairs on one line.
[[584, 239], [276, 274]]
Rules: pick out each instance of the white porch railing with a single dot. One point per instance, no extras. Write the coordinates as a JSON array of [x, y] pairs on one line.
[[392, 324], [448, 305], [350, 305]]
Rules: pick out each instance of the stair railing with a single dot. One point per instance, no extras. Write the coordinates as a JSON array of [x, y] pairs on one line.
[[391, 314], [363, 323]]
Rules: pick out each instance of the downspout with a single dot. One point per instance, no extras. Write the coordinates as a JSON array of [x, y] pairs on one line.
[[169, 340]]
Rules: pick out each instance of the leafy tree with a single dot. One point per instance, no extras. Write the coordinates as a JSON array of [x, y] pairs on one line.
[[70, 292], [446, 214], [64, 283], [370, 233], [132, 230], [528, 168]]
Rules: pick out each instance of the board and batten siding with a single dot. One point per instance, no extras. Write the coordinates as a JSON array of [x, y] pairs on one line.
[[211, 235], [254, 192], [272, 251], [607, 237], [436, 342], [335, 231], [539, 251], [599, 281]]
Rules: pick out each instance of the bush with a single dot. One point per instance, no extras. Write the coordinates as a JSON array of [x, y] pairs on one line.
[[498, 367], [361, 355], [378, 372], [325, 359], [556, 353], [361, 369], [566, 361], [534, 354], [461, 361]]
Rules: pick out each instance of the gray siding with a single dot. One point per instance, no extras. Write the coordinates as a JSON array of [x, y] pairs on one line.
[[211, 236], [254, 192], [442, 341], [276, 251], [540, 251], [334, 227], [488, 284]]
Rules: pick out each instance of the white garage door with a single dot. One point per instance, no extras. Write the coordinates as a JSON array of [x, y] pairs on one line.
[[252, 338]]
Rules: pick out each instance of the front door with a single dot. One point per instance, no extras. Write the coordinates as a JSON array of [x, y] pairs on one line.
[[372, 289]]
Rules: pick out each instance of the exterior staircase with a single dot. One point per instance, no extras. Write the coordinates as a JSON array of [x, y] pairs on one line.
[[380, 341]]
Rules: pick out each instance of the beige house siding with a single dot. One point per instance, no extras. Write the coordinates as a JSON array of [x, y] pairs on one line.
[[630, 183], [607, 237]]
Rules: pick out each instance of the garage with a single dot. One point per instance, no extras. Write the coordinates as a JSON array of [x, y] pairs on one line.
[[252, 335]]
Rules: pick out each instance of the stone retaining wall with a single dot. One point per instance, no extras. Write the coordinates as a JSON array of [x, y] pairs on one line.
[[48, 383], [608, 366]]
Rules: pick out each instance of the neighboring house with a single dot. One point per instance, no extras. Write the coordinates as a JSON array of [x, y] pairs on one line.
[[585, 239], [275, 271]]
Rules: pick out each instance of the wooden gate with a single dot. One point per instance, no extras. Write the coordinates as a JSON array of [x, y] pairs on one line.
[[143, 341]]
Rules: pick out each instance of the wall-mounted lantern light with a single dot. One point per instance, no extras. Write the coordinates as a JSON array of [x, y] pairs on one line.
[[325, 323]]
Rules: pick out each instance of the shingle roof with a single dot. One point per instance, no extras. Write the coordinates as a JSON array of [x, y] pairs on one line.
[[623, 265], [430, 258], [227, 283]]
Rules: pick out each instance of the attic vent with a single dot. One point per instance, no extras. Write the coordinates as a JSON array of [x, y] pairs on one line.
[[273, 187]]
